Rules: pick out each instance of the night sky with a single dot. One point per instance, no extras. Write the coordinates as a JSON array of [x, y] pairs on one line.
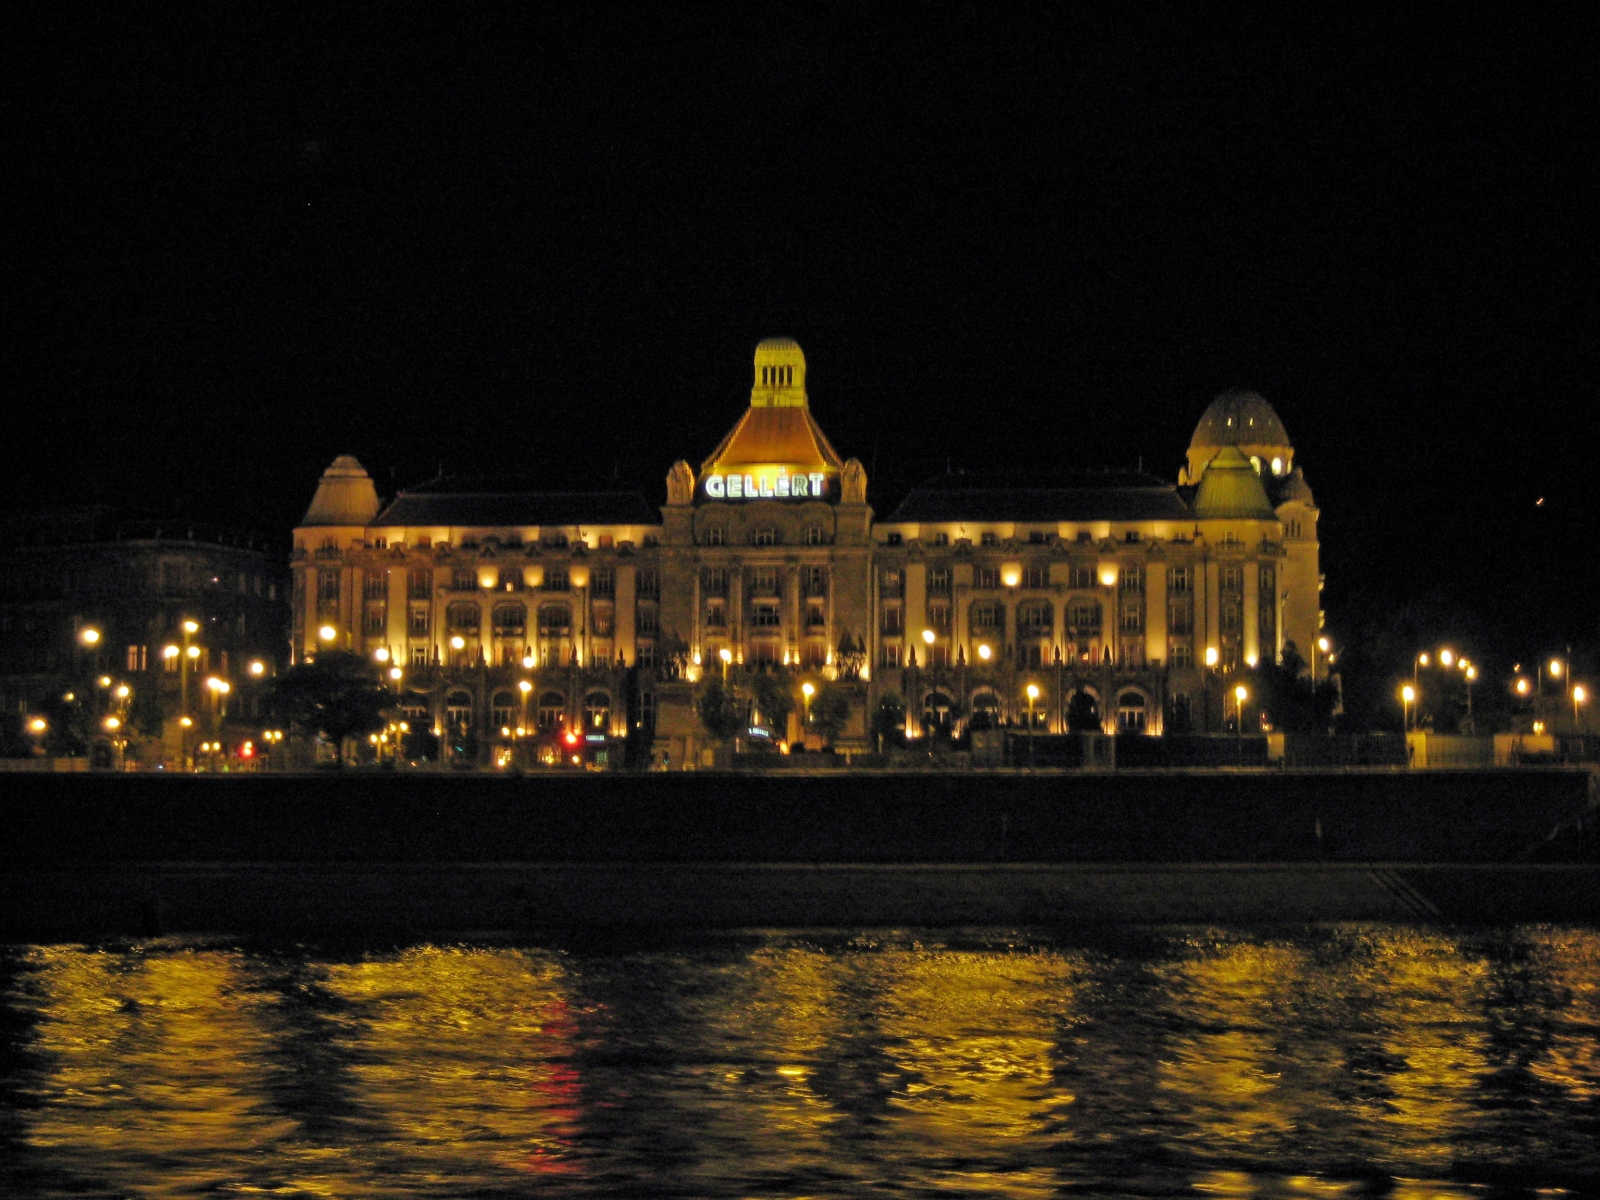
[[241, 245]]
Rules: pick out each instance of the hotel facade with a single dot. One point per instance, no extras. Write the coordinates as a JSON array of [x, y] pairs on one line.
[[1110, 601]]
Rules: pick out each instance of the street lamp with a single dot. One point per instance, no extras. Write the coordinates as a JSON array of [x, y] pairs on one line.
[[1033, 695], [1580, 695], [984, 652], [726, 655], [808, 691], [1240, 695], [1446, 658], [1408, 697]]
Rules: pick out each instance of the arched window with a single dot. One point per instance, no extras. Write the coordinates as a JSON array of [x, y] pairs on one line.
[[502, 710], [552, 711], [510, 620], [1083, 713], [458, 712], [985, 709], [937, 711], [597, 712], [1130, 713]]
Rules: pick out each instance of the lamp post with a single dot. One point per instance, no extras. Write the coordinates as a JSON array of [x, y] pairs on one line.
[[1240, 695], [1033, 695], [726, 655], [1472, 674], [1408, 695], [1580, 695], [808, 691]]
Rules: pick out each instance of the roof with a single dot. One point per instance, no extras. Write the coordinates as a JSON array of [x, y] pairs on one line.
[[488, 502], [1231, 489], [1239, 418], [766, 436], [344, 496], [1076, 496]]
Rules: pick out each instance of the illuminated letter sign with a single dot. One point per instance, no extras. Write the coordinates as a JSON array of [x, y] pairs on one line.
[[767, 483]]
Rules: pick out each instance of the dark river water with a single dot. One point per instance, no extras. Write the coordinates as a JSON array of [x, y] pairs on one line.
[[1327, 1061]]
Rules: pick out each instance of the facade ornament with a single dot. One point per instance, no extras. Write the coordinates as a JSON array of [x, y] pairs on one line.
[[680, 484], [853, 483]]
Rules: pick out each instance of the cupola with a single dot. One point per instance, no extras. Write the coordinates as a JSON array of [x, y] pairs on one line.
[[345, 495]]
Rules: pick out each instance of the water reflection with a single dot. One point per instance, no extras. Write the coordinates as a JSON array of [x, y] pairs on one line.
[[781, 1064]]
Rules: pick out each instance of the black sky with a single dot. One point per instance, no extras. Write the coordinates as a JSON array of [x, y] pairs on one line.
[[242, 245]]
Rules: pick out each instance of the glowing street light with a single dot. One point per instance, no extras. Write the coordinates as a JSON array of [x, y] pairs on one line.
[[258, 668], [89, 636], [395, 673], [1240, 695], [1408, 697], [726, 655], [984, 652], [1211, 656], [1580, 695], [1523, 687], [327, 633], [1446, 657], [808, 691], [1033, 695], [927, 636], [381, 654]]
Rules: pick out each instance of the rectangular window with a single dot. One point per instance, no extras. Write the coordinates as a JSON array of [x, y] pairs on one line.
[[138, 658], [603, 583], [649, 585], [419, 656], [891, 584], [939, 617], [418, 624], [1230, 618], [1180, 618], [816, 654], [938, 656], [645, 621], [891, 655], [1132, 620], [764, 581], [716, 535], [815, 535], [938, 581], [375, 586], [893, 620], [987, 617], [764, 654], [463, 580], [1036, 537], [765, 536], [556, 579], [1086, 617], [986, 577], [989, 539], [1180, 653], [1132, 579], [510, 579], [556, 541], [1180, 580], [1231, 578], [941, 539], [816, 615], [374, 621], [716, 614], [604, 622], [764, 616], [716, 582], [419, 585], [1082, 577], [1036, 577], [328, 587], [645, 656], [814, 581]]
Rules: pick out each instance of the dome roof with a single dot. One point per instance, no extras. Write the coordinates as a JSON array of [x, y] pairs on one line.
[[345, 495], [1240, 419], [1295, 487], [1230, 489]]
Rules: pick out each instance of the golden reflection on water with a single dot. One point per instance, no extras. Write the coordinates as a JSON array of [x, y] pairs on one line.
[[1228, 1063]]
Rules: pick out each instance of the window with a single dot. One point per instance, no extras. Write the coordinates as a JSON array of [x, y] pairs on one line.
[[988, 616], [375, 586], [1230, 618], [645, 621], [1131, 579], [597, 712], [941, 539], [510, 620], [891, 584], [510, 579], [893, 621], [462, 580], [1086, 617], [764, 654], [989, 539], [556, 541], [603, 583], [1130, 713], [419, 656], [764, 581], [814, 581], [649, 585], [938, 655], [458, 712], [938, 581], [816, 655], [1036, 577], [1037, 537], [816, 615], [939, 616], [1180, 653], [138, 658], [764, 616], [716, 535], [893, 539], [716, 581], [604, 622], [716, 614], [327, 586], [1081, 576], [891, 654], [419, 585], [556, 579], [555, 621], [1231, 578], [815, 535], [765, 536], [645, 656], [1132, 619], [552, 709], [986, 577], [373, 621], [1035, 619], [1180, 617], [1269, 581], [463, 618], [1181, 580], [418, 623], [501, 707]]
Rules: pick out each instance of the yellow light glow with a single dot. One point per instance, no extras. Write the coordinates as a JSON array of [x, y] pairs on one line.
[[1323, 644], [1472, 672], [726, 655], [1523, 687], [1241, 693], [258, 667], [395, 673], [327, 633], [169, 652], [927, 636], [1408, 693], [807, 690], [1012, 578], [191, 627], [1580, 694], [193, 652], [123, 691], [381, 654], [1250, 660], [113, 724], [1446, 657], [1538, 726], [1211, 656], [104, 681], [524, 686], [1422, 660], [37, 725], [983, 651], [90, 637], [1108, 576], [1033, 691], [1555, 668], [186, 722], [70, 697], [458, 642]]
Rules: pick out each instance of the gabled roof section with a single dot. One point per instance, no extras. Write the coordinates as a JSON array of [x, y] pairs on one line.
[[1230, 489], [467, 501], [1074, 496]]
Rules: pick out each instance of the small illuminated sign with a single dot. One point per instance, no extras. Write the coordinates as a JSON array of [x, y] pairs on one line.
[[766, 483]]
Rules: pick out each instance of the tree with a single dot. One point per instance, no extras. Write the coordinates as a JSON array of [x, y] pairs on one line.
[[720, 710], [1289, 698], [889, 721], [830, 709], [339, 695], [774, 700]]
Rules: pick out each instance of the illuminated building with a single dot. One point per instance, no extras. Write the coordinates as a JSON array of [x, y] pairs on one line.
[[1123, 599]]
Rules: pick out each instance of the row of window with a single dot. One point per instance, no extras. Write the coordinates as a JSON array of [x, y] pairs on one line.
[[1180, 580], [764, 581], [766, 535], [420, 583]]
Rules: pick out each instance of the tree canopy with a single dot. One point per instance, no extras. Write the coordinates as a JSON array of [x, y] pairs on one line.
[[338, 695]]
